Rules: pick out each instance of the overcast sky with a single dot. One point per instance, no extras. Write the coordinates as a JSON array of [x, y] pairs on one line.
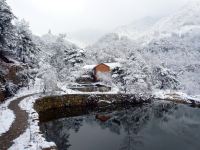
[[85, 17]]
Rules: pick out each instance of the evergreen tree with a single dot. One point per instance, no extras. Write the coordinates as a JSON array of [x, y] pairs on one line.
[[25, 49], [6, 27]]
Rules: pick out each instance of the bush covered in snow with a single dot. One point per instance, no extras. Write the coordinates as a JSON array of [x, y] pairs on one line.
[[164, 79]]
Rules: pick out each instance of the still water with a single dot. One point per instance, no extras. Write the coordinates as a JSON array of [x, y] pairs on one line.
[[156, 126]]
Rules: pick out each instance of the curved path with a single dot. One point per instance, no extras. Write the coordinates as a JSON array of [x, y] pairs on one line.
[[18, 126]]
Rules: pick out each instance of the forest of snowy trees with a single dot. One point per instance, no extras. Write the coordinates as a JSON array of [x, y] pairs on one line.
[[156, 53], [16, 45], [163, 56]]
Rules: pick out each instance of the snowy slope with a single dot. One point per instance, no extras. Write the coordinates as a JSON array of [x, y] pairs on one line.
[[8, 115], [171, 42], [184, 20], [137, 28], [175, 41], [145, 30]]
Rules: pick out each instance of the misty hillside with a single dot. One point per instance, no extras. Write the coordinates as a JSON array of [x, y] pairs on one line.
[[137, 28], [181, 21], [175, 42], [171, 42]]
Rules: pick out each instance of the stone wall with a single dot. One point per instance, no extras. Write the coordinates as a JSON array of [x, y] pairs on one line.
[[92, 89], [51, 102]]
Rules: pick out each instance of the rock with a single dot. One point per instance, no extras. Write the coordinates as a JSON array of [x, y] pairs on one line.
[[11, 89], [50, 148], [116, 121], [102, 103], [2, 95], [2, 80]]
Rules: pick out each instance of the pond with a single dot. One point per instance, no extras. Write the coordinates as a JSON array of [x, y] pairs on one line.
[[155, 126]]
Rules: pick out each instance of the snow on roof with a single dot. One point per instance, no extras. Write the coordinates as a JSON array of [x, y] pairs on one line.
[[88, 67], [111, 65]]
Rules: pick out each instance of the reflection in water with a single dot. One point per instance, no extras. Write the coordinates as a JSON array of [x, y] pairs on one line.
[[160, 125]]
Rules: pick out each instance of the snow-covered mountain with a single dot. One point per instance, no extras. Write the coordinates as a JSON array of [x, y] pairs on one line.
[[181, 21], [175, 42], [170, 43], [137, 28]]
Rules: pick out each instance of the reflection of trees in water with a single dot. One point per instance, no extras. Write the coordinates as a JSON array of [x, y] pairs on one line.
[[137, 120], [184, 123], [161, 109], [128, 120], [58, 130], [133, 120]]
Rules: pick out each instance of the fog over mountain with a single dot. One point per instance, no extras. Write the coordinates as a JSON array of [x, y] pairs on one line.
[[171, 42], [85, 21]]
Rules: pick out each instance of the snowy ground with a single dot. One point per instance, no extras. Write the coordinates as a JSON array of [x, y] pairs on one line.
[[32, 139], [8, 115], [66, 90], [176, 95]]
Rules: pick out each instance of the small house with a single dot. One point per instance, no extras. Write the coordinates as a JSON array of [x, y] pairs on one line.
[[100, 68]]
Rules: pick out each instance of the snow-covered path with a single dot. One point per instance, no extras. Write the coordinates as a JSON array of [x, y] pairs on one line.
[[18, 126], [6, 119]]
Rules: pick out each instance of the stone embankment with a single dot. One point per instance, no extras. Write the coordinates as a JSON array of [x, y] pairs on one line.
[[72, 100]]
